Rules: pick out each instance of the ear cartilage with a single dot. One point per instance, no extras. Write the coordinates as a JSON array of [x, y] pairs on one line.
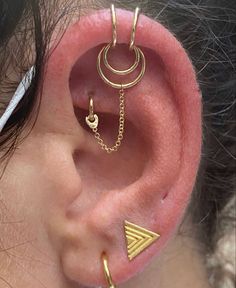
[[103, 58], [138, 239]]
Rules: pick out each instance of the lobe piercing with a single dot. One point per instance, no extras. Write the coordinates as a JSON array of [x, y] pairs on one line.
[[107, 271]]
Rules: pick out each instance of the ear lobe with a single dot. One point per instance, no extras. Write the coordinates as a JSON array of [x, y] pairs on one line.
[[163, 126]]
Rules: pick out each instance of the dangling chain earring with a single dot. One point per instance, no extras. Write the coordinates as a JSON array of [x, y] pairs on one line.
[[92, 120]]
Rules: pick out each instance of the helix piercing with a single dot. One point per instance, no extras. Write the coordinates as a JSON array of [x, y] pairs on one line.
[[124, 85], [103, 59], [134, 28], [107, 271], [121, 72], [114, 24]]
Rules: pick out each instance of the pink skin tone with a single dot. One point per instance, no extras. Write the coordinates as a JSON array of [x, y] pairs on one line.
[[82, 196]]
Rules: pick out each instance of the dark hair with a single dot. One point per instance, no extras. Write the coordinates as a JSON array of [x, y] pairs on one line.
[[206, 29]]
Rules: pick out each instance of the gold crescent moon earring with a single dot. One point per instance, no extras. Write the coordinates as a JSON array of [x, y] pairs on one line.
[[103, 57]]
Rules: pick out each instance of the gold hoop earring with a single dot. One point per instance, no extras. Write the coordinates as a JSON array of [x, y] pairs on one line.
[[107, 271], [92, 119], [125, 85], [134, 28], [114, 24], [103, 56]]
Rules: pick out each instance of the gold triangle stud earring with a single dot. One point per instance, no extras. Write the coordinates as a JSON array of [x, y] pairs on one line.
[[138, 239], [140, 60]]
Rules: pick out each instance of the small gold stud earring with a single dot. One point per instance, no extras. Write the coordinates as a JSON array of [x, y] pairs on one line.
[[138, 239]]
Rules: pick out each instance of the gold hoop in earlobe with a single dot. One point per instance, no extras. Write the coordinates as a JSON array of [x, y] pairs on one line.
[[107, 271], [134, 28]]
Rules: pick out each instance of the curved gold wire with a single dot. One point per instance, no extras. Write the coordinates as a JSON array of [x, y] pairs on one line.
[[107, 271], [134, 28], [114, 25], [123, 85], [121, 72], [91, 109]]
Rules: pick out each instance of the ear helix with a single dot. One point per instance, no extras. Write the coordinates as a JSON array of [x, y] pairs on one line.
[[93, 120], [137, 238]]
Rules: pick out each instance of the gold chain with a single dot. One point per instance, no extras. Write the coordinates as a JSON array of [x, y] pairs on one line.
[[120, 136]]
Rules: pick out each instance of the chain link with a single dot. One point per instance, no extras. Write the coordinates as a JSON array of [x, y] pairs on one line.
[[121, 130]]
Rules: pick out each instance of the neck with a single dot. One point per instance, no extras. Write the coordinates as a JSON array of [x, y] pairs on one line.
[[180, 266]]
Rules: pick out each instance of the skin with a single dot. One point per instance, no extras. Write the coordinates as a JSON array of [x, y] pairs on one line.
[[64, 201]]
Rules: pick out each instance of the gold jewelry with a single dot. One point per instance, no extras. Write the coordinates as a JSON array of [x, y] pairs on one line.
[[113, 18], [118, 85], [138, 239], [121, 72], [107, 271], [92, 120], [135, 22]]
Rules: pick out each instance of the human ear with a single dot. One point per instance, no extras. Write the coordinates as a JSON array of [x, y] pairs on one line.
[[150, 179]]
